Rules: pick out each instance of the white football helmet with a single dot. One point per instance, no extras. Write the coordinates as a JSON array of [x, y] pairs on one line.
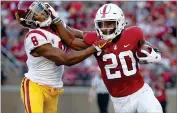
[[109, 21]]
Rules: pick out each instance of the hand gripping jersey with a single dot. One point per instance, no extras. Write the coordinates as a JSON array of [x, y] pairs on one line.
[[118, 62], [40, 69]]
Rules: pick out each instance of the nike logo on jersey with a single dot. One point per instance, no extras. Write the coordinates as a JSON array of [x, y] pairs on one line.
[[126, 45]]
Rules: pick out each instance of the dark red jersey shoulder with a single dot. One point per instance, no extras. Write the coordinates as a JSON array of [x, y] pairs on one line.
[[134, 31], [91, 37]]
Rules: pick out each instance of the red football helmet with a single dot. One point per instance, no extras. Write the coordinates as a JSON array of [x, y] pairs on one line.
[[26, 11]]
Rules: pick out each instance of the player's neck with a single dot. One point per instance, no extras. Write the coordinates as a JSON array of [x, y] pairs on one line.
[[117, 38], [50, 29]]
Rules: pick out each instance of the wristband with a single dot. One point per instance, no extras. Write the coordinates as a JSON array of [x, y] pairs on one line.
[[57, 20]]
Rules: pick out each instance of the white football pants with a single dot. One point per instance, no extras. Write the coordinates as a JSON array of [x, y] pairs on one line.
[[142, 101]]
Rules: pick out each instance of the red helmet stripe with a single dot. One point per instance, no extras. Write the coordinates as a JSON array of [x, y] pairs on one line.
[[104, 11]]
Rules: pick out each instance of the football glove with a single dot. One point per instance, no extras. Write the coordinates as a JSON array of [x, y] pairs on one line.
[[101, 44], [153, 57], [54, 14]]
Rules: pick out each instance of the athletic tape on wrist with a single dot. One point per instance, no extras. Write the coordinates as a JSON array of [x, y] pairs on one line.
[[56, 20]]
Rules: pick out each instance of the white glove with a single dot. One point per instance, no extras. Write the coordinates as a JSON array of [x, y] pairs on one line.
[[154, 56], [54, 15], [52, 10]]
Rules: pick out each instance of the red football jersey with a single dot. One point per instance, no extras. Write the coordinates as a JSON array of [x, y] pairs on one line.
[[118, 62]]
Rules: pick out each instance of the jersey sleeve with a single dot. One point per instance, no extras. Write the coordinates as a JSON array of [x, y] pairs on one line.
[[90, 38], [35, 39], [139, 33]]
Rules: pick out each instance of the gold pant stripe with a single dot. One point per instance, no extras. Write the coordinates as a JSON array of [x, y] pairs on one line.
[[28, 106], [23, 88]]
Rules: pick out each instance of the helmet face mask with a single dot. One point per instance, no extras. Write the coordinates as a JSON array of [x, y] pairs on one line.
[[109, 21], [25, 22], [37, 8], [33, 14], [107, 27]]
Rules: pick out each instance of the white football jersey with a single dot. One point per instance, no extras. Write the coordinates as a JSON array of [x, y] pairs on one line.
[[40, 69]]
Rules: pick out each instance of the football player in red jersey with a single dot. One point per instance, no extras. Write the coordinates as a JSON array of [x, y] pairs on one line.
[[43, 84], [119, 63]]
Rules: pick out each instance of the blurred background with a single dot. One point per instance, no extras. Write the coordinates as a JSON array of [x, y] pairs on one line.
[[158, 19]]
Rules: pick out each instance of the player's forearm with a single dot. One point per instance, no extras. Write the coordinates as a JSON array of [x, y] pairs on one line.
[[78, 44], [155, 49], [64, 34], [76, 32], [143, 41], [78, 56], [69, 39], [148, 43], [61, 58]]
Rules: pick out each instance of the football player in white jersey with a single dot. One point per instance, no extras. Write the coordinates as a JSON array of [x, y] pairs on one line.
[[42, 83]]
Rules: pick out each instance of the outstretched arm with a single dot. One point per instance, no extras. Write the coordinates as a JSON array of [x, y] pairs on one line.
[[68, 38], [60, 57], [76, 32]]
